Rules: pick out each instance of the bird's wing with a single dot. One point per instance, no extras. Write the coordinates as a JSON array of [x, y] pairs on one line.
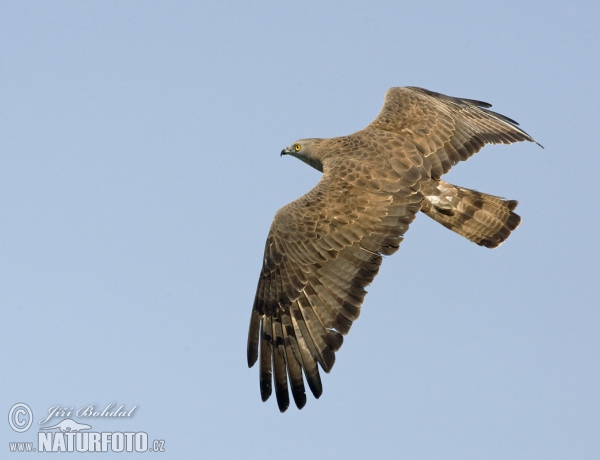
[[321, 252], [443, 129]]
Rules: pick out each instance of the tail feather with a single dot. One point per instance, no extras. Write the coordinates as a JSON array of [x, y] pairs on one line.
[[484, 219]]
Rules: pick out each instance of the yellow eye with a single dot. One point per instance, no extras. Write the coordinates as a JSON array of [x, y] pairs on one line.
[[297, 147]]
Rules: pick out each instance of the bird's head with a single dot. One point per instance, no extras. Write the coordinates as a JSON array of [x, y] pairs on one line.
[[306, 150]]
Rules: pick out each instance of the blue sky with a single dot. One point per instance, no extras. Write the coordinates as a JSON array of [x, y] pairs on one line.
[[140, 172]]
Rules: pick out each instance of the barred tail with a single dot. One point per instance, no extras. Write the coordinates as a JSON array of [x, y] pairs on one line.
[[484, 219]]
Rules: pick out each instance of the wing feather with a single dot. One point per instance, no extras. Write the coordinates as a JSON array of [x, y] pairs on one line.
[[293, 360]]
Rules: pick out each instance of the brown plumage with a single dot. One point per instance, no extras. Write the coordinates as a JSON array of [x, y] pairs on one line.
[[324, 248]]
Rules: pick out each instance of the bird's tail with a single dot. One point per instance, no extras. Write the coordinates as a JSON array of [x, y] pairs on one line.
[[484, 219]]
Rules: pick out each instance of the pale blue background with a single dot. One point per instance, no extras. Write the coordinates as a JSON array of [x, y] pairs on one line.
[[140, 171]]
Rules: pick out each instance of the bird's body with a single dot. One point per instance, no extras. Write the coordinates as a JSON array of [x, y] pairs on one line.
[[326, 247]]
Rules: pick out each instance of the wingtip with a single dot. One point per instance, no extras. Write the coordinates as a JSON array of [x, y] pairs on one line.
[[300, 403], [283, 400], [252, 358], [265, 391]]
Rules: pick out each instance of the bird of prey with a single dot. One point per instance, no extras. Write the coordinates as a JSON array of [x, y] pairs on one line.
[[324, 248]]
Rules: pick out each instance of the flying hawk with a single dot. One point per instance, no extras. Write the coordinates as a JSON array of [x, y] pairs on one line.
[[324, 248]]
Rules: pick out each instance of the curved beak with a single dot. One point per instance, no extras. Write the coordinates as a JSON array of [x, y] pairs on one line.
[[285, 151]]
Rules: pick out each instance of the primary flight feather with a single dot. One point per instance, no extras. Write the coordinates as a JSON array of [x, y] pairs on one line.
[[324, 248]]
